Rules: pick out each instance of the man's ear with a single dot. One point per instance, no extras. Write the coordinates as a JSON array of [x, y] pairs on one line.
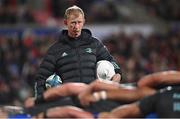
[[65, 22]]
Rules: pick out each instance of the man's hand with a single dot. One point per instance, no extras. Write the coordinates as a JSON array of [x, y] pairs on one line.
[[116, 78], [30, 102], [86, 97]]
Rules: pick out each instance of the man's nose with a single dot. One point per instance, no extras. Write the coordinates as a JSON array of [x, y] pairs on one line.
[[76, 25]]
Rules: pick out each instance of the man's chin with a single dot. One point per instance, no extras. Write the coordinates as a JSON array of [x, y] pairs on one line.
[[77, 34]]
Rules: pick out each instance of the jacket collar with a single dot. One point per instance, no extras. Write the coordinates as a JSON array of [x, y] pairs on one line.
[[85, 35]]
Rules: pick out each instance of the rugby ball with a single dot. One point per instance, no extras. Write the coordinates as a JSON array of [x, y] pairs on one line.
[[105, 70], [53, 81]]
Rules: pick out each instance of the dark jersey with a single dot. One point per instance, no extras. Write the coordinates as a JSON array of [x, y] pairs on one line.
[[165, 103]]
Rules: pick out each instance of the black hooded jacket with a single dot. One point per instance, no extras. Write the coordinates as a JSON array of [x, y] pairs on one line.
[[73, 59]]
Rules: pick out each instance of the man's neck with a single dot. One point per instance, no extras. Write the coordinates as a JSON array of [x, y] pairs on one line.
[[74, 36]]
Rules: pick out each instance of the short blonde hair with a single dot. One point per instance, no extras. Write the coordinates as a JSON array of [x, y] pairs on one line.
[[75, 10]]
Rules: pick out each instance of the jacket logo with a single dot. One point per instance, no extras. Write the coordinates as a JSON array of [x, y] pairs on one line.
[[115, 65], [64, 54], [88, 50]]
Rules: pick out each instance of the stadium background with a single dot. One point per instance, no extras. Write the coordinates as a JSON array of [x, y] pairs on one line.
[[143, 36]]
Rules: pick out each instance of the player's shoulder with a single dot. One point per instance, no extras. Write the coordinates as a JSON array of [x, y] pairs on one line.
[[96, 41]]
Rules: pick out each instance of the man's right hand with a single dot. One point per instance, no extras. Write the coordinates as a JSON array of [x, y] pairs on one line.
[[116, 78], [86, 98]]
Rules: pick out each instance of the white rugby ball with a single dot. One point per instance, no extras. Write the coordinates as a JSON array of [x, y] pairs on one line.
[[105, 70]]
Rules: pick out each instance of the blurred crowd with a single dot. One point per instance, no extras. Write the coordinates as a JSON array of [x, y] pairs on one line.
[[166, 9], [19, 60], [138, 55], [50, 12]]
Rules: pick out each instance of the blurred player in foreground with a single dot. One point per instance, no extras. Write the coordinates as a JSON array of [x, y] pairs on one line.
[[114, 92], [165, 104], [99, 90]]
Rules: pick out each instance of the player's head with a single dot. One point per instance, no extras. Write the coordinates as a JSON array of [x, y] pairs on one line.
[[105, 70], [74, 20]]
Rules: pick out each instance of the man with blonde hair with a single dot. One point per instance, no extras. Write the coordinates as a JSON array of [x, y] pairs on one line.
[[74, 55]]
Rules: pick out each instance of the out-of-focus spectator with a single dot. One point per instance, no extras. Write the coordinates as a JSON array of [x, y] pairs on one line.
[[7, 15], [5, 94], [103, 11], [166, 9]]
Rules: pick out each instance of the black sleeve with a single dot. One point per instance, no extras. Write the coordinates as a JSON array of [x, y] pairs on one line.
[[47, 68], [148, 104], [103, 54]]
